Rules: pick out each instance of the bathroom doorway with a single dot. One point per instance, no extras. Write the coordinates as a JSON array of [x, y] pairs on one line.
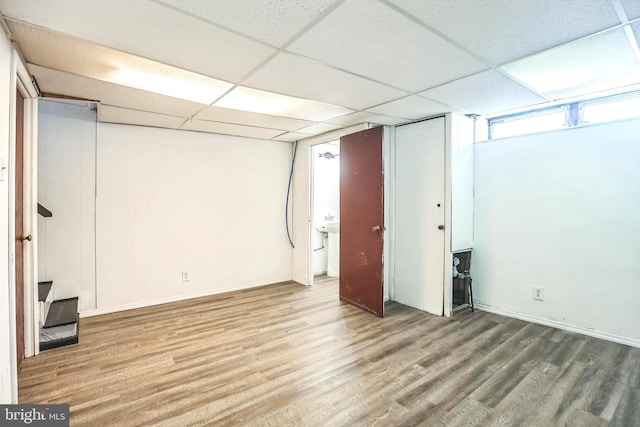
[[325, 210]]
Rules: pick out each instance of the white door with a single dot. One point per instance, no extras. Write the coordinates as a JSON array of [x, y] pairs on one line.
[[419, 214]]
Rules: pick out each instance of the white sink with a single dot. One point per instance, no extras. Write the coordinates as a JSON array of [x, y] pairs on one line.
[[328, 226]]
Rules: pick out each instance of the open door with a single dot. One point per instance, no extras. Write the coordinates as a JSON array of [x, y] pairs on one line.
[[362, 220], [19, 238]]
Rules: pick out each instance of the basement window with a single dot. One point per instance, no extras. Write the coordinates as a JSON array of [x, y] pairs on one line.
[[611, 108], [579, 113], [529, 122]]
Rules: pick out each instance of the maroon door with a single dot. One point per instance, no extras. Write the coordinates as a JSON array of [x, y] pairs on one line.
[[362, 220], [19, 229]]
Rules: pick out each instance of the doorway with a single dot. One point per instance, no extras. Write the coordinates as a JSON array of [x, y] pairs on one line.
[[325, 212], [20, 239]]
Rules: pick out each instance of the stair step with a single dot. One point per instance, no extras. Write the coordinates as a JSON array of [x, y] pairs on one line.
[[62, 312], [58, 336], [43, 290]]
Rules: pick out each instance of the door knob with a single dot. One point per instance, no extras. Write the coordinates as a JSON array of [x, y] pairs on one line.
[[28, 237], [375, 228], [441, 227]]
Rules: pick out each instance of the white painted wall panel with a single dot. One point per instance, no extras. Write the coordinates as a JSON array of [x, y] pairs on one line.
[[560, 210], [172, 201]]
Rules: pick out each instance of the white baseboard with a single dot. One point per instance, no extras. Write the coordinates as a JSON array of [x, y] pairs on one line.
[[175, 298], [560, 325]]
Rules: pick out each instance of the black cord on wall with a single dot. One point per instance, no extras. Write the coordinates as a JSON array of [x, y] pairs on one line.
[[286, 207]]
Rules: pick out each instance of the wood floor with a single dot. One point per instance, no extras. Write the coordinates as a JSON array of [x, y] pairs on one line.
[[290, 355]]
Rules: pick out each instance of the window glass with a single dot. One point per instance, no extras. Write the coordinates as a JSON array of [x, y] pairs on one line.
[[522, 124], [608, 109]]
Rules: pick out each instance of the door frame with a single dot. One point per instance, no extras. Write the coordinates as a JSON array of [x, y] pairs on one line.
[[20, 80]]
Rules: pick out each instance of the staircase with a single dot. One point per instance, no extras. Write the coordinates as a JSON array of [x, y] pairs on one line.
[[59, 319]]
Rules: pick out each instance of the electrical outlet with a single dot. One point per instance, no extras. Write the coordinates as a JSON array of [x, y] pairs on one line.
[[538, 293], [185, 276]]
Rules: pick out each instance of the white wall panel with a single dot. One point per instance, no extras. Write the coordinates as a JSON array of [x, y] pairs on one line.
[[560, 210], [172, 201]]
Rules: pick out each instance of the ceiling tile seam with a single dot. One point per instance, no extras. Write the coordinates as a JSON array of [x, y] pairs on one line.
[[633, 42], [132, 124], [622, 15], [628, 31], [448, 104], [138, 109], [437, 33], [295, 37], [367, 110], [278, 136], [210, 105], [240, 124], [272, 56], [523, 84], [333, 67], [179, 67], [213, 24]]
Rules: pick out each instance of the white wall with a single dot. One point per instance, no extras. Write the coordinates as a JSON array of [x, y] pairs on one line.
[[326, 199], [6, 93], [66, 186], [172, 201], [560, 210]]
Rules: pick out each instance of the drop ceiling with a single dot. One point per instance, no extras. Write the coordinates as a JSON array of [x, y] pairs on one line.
[[290, 69]]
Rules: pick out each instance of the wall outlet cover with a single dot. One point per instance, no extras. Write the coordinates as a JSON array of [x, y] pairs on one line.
[[185, 276], [538, 293]]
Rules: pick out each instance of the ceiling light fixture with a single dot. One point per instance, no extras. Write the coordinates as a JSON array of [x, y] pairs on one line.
[[179, 84]]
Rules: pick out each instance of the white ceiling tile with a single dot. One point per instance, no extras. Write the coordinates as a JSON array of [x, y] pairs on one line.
[[228, 115], [411, 107], [231, 129], [631, 8], [108, 114], [258, 101], [148, 29], [77, 56], [503, 31], [291, 137], [364, 117], [61, 83], [484, 93], [256, 18], [297, 76], [602, 62], [371, 39], [319, 128]]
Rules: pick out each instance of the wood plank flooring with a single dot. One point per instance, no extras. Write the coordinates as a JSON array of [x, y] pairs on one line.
[[287, 354]]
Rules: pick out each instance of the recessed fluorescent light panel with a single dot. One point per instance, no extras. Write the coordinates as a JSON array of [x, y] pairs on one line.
[[601, 62], [259, 101], [77, 56], [171, 81]]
